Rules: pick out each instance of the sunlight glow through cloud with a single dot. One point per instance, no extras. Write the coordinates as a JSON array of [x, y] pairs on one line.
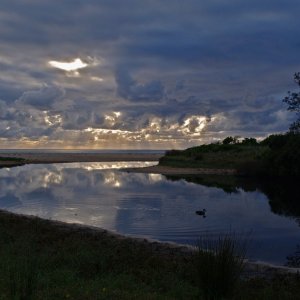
[[73, 66], [95, 78], [72, 77]]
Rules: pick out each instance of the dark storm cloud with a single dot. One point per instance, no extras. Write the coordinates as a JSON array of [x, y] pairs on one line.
[[42, 98], [9, 92], [129, 89], [231, 62]]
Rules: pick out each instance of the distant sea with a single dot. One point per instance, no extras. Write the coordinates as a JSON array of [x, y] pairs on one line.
[[103, 151]]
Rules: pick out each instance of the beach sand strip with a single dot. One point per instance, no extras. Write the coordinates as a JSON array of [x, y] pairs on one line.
[[45, 158]]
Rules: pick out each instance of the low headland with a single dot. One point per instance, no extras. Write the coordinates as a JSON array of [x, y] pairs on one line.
[[275, 156]]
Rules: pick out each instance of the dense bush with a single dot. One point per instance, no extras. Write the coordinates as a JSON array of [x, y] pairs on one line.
[[2, 158], [284, 157], [173, 152], [277, 155], [249, 141], [276, 141]]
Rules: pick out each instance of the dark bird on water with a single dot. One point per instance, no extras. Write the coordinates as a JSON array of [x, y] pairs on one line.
[[201, 212]]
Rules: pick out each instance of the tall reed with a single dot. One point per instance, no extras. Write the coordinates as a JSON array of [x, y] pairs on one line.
[[220, 262]]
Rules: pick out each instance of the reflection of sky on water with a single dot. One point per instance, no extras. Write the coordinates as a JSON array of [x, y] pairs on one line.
[[146, 205]]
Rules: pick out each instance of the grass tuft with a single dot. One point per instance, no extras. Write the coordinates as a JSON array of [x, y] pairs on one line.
[[220, 263]]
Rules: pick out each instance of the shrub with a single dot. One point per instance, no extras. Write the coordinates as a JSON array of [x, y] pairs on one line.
[[276, 141], [198, 156], [173, 152], [249, 141], [230, 140], [284, 157]]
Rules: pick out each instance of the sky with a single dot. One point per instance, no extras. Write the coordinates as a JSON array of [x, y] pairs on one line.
[[144, 74]]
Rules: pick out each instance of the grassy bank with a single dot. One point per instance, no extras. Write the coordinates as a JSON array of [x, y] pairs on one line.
[[277, 155], [42, 260], [214, 156]]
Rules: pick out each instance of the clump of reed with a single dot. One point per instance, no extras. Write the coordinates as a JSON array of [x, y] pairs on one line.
[[220, 263]]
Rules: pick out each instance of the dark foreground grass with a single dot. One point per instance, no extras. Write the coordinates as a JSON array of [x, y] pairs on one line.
[[220, 264], [44, 260]]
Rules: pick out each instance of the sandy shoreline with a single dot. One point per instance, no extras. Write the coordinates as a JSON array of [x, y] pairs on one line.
[[45, 158], [165, 170], [252, 268], [48, 158]]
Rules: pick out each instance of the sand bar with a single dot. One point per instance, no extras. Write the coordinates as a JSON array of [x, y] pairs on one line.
[[47, 158], [44, 158], [165, 170]]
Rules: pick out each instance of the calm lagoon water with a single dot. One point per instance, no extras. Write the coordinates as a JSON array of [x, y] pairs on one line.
[[154, 206]]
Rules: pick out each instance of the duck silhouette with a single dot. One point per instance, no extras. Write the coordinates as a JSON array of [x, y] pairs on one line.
[[201, 212]]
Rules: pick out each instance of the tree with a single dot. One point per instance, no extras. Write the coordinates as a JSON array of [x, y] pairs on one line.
[[249, 141], [230, 140], [293, 102]]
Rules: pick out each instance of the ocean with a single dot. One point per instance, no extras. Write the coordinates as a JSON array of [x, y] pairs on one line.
[[90, 151]]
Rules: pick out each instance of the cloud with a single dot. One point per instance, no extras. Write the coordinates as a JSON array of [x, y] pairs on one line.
[[42, 98], [130, 89], [188, 73], [68, 66]]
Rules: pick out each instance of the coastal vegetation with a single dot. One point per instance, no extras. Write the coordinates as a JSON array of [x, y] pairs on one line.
[[40, 259], [277, 155], [11, 159], [293, 102]]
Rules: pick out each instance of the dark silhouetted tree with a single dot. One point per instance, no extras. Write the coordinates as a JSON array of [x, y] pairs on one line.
[[230, 140], [249, 141], [293, 102]]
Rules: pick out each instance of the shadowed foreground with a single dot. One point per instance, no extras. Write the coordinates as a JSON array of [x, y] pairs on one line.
[[41, 259]]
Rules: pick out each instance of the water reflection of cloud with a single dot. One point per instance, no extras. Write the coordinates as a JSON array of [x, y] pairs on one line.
[[90, 166], [111, 178], [141, 204], [155, 177], [8, 201]]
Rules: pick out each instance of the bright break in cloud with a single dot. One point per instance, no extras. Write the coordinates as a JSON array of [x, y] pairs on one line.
[[150, 74]]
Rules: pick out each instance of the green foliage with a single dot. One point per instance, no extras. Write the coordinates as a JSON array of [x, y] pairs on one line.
[[228, 140], [17, 159], [295, 126], [249, 141], [293, 102], [220, 263], [231, 156], [277, 155], [284, 157], [275, 141], [231, 140], [173, 152]]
